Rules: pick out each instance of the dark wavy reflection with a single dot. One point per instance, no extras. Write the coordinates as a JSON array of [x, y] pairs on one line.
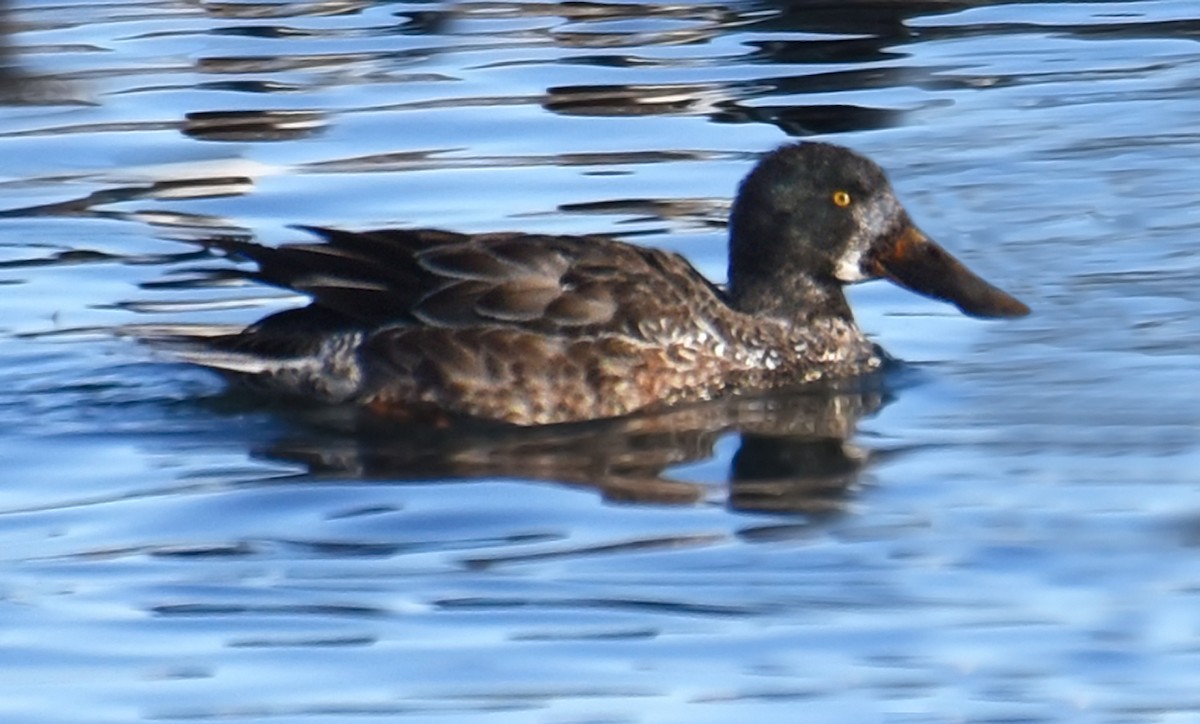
[[17, 85], [867, 35], [254, 125], [795, 453]]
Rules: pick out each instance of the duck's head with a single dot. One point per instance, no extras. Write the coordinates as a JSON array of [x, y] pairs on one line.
[[812, 217]]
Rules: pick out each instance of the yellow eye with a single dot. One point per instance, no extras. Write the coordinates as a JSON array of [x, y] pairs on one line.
[[841, 198]]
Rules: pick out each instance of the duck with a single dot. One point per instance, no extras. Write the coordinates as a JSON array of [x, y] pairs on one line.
[[428, 326]]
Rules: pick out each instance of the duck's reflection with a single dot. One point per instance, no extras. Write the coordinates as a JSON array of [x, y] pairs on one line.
[[795, 454]]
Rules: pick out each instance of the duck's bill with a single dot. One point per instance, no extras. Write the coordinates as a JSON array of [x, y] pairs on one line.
[[915, 262]]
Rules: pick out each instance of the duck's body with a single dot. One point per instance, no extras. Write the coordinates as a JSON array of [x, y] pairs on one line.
[[432, 325]]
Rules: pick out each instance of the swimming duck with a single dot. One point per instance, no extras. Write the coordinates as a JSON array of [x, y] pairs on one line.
[[430, 326]]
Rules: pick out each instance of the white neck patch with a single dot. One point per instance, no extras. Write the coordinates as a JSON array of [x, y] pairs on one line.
[[870, 219], [849, 267]]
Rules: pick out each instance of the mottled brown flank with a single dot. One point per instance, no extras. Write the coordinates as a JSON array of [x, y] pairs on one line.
[[528, 378]]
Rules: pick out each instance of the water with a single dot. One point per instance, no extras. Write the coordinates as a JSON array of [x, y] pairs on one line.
[[1003, 532]]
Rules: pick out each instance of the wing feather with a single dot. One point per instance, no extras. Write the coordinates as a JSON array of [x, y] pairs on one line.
[[543, 284]]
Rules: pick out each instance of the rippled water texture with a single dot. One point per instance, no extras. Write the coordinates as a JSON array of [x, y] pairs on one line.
[[1003, 530]]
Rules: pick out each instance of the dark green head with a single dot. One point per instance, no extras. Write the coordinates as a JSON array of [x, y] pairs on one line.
[[812, 217]]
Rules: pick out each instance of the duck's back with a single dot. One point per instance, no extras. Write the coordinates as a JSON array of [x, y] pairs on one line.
[[515, 327]]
